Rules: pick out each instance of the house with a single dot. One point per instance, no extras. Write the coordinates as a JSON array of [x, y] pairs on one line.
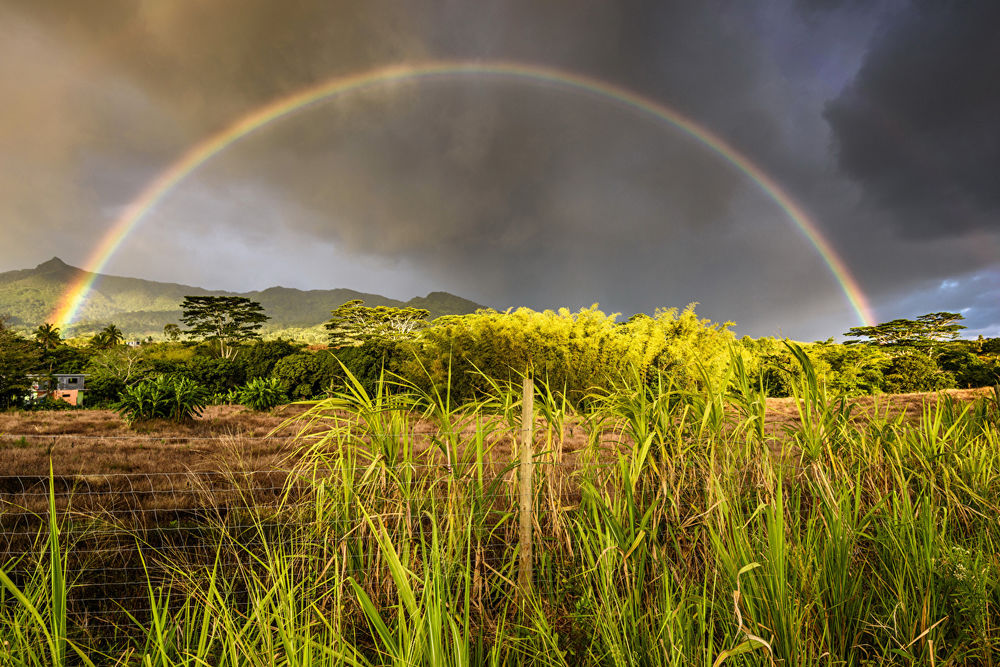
[[68, 387]]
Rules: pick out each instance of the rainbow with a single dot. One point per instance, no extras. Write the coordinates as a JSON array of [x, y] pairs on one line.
[[76, 294]]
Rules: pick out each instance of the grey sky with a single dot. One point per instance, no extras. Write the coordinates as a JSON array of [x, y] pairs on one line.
[[879, 118]]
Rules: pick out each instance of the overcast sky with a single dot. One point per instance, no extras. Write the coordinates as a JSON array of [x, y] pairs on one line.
[[881, 119]]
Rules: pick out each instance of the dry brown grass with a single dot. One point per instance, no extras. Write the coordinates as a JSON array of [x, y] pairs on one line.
[[167, 487], [229, 437], [782, 412], [162, 465], [96, 442]]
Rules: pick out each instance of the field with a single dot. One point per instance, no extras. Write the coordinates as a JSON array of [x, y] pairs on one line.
[[711, 526], [229, 436]]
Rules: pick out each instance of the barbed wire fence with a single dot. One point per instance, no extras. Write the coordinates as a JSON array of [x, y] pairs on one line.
[[125, 535]]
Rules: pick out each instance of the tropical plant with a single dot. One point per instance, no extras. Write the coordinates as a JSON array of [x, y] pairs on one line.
[[176, 398], [108, 337], [47, 335], [261, 394]]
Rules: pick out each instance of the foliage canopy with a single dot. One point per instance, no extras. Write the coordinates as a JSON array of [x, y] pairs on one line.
[[108, 337], [224, 319], [18, 357], [575, 351], [48, 336], [921, 332], [354, 324]]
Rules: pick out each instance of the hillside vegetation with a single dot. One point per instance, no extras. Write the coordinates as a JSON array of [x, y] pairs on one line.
[[141, 308], [575, 352]]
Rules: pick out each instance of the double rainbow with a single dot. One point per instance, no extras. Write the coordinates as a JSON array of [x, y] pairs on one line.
[[74, 297]]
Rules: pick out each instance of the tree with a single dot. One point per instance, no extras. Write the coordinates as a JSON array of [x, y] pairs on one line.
[[229, 320], [216, 375], [354, 323], [991, 346], [18, 357], [113, 369], [572, 351], [853, 369], [48, 337], [259, 359], [969, 370], [916, 371], [940, 327], [66, 359], [113, 334], [172, 332], [108, 337], [925, 331], [305, 374]]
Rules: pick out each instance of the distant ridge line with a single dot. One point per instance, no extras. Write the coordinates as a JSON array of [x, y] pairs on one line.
[[141, 307]]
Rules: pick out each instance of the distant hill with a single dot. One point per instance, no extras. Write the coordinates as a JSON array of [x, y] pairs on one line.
[[142, 307]]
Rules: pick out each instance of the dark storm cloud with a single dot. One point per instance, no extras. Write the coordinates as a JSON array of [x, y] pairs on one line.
[[978, 292], [918, 127], [510, 192], [100, 96]]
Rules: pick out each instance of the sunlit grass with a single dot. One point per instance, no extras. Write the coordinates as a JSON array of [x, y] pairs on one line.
[[694, 537]]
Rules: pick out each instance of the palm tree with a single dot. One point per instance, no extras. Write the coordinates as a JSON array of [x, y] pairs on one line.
[[108, 337], [47, 335], [113, 335]]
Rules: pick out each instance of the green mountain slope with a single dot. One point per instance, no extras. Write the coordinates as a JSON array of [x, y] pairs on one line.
[[142, 307]]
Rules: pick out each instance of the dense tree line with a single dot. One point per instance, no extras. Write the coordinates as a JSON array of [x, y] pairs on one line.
[[900, 356], [572, 351]]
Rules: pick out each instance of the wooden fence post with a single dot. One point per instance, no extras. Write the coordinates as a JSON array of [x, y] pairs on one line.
[[524, 575]]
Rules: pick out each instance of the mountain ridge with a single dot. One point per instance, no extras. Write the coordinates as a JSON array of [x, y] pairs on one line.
[[141, 307]]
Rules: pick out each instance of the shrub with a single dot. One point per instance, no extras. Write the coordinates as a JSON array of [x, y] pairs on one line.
[[853, 369], [103, 390], [259, 359], [767, 361], [216, 374], [49, 403], [167, 366], [367, 362], [968, 369], [306, 374], [165, 397], [916, 372], [577, 351], [261, 394], [990, 346]]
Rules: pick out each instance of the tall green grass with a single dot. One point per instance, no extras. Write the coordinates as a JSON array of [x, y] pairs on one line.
[[680, 532]]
